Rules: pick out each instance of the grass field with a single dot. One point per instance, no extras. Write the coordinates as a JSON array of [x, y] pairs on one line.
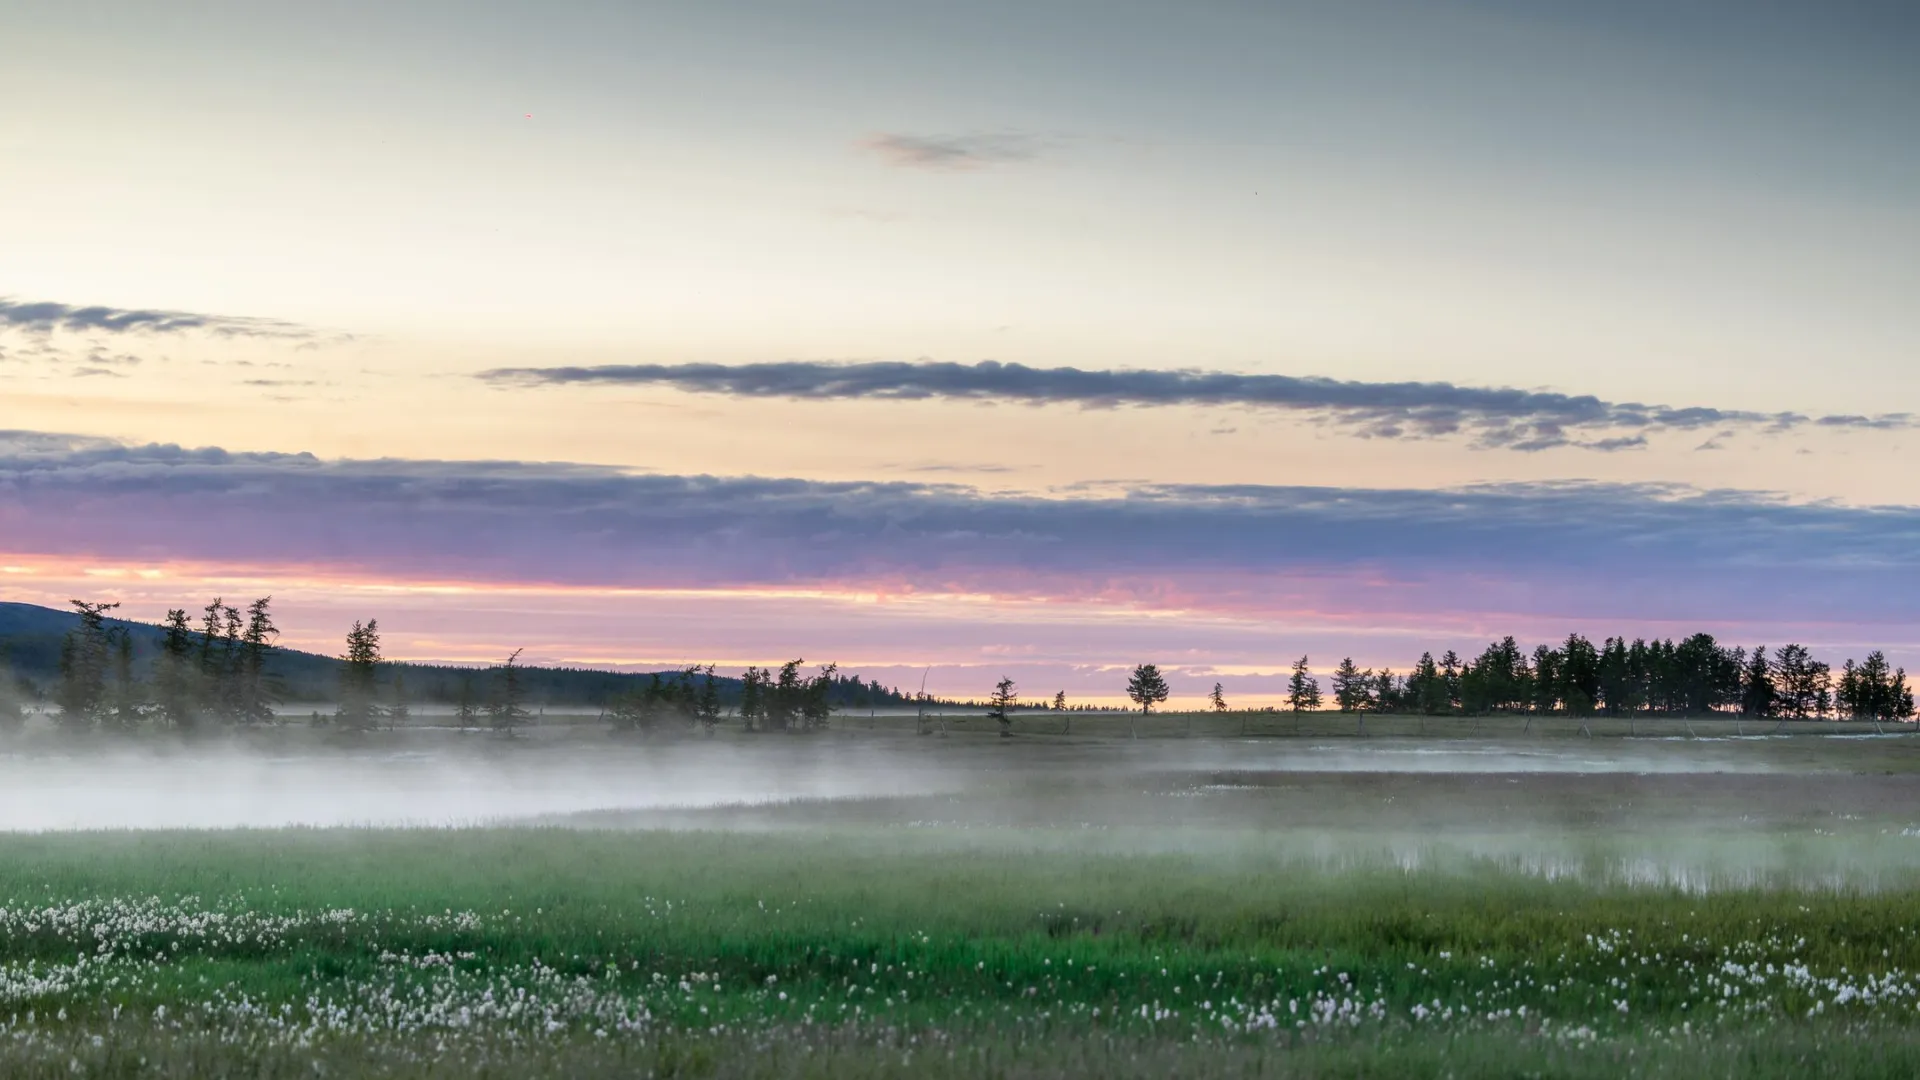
[[1747, 909]]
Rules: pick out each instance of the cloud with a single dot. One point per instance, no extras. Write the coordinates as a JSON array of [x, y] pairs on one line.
[[1572, 550], [45, 316], [952, 153], [1504, 418]]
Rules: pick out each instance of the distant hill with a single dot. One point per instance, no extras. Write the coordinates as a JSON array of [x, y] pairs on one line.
[[30, 638]]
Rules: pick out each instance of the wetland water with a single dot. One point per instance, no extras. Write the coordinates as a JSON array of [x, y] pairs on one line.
[[1693, 815]]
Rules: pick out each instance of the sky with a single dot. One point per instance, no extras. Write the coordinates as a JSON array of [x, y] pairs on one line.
[[948, 341]]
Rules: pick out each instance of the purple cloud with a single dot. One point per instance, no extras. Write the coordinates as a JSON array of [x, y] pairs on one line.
[[1255, 551]]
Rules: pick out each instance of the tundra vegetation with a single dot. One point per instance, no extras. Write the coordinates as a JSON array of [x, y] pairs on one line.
[[1143, 924]]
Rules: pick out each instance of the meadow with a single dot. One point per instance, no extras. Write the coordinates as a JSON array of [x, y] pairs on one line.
[[1457, 907]]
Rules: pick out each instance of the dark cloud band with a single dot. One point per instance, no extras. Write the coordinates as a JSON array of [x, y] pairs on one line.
[[1577, 549], [1493, 417]]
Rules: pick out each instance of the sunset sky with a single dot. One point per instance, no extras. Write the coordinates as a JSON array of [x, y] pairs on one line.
[[1036, 338]]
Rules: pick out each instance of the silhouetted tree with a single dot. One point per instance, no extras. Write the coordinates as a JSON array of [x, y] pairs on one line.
[[1802, 684], [1756, 685], [253, 691], [1351, 691], [1450, 677], [753, 701], [1147, 688], [707, 711], [1387, 694], [359, 677], [816, 699], [785, 696], [1546, 679], [1874, 691], [219, 659], [1427, 687], [1218, 699], [86, 656], [128, 707], [1303, 690], [1060, 701], [176, 682], [1000, 705], [507, 710]]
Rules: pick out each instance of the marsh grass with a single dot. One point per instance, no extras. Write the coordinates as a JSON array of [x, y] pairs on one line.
[[864, 951]]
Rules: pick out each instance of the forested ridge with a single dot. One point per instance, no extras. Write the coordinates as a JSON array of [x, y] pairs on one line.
[[222, 667]]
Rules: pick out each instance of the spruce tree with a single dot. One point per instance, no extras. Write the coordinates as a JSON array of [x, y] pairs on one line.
[[1350, 689], [86, 657], [359, 678], [1303, 690], [816, 699], [783, 697], [707, 711], [1000, 706], [753, 685], [1147, 687], [507, 710], [128, 707], [1756, 685], [176, 682], [254, 694]]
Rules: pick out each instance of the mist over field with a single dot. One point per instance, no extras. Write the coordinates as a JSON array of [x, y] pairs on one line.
[[443, 779]]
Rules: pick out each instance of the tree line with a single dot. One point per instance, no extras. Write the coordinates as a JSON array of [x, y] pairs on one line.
[[216, 670], [1696, 676]]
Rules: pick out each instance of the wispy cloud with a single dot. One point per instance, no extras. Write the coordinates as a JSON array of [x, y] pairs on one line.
[[1574, 550], [45, 315], [1522, 420], [952, 153]]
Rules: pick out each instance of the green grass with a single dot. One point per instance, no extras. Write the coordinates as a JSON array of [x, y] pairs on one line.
[[860, 950]]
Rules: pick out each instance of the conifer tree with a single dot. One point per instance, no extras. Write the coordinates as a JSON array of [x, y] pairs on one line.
[[86, 656], [253, 691], [1303, 690], [1350, 690], [753, 703], [1450, 677], [127, 708], [1218, 699], [219, 659], [1060, 701], [507, 711], [1426, 687], [783, 697], [1000, 705], [816, 702], [1388, 693], [1756, 685], [359, 677], [1147, 687], [1803, 685], [707, 711], [176, 682]]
